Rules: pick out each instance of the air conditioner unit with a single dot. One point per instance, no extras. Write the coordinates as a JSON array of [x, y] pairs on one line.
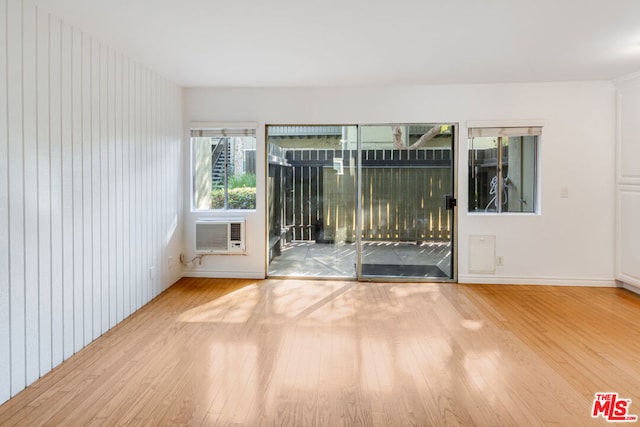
[[220, 237]]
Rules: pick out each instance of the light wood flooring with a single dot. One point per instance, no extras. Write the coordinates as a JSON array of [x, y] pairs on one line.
[[339, 353]]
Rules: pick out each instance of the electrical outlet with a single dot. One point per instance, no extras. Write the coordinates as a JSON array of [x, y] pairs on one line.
[[170, 263], [499, 261], [152, 273]]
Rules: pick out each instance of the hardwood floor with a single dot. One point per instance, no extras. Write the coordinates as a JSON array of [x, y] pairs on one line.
[[304, 353]]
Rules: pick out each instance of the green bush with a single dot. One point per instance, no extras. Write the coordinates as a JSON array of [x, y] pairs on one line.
[[241, 181], [239, 198]]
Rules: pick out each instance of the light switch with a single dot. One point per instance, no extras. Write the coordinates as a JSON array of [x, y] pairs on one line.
[[564, 192]]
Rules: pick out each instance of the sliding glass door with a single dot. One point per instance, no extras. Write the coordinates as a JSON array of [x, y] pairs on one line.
[[312, 187], [407, 188], [361, 201]]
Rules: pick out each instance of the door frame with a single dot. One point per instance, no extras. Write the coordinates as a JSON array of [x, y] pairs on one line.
[[359, 213]]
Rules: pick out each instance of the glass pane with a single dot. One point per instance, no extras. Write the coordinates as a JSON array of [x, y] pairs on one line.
[[224, 172], [511, 189], [483, 174], [519, 174], [406, 229], [202, 182], [241, 172], [311, 200], [218, 171]]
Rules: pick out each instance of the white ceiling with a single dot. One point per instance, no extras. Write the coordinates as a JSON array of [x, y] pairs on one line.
[[366, 42]]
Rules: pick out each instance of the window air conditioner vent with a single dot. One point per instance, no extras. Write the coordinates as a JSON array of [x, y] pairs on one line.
[[236, 230]]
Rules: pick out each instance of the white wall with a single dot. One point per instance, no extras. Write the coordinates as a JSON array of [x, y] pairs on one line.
[[248, 265], [570, 242], [628, 182], [90, 190]]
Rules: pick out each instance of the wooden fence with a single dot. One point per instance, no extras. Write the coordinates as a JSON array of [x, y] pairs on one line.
[[402, 198]]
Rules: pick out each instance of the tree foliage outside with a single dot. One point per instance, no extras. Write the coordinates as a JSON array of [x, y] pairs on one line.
[[421, 142]]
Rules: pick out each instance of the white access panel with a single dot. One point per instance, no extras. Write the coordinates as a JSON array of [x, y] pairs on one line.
[[482, 254]]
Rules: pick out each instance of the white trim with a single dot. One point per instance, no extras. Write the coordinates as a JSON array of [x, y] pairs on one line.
[[620, 178], [618, 136], [629, 81], [620, 234], [545, 281], [626, 279], [502, 214], [631, 288], [219, 274], [223, 125], [504, 123]]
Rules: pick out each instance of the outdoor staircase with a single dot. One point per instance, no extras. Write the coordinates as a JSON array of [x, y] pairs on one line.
[[219, 160]]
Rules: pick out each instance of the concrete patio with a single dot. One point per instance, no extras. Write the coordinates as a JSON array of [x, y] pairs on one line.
[[310, 259]]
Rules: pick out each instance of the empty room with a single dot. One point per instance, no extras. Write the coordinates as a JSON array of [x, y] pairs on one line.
[[319, 214]]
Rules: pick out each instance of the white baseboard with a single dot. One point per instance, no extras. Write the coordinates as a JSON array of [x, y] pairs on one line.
[[217, 274], [549, 281], [463, 278], [628, 279], [632, 288]]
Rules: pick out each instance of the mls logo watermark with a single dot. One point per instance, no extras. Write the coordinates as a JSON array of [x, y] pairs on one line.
[[612, 408]]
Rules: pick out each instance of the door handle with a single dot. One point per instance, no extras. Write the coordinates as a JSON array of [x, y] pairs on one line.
[[450, 202]]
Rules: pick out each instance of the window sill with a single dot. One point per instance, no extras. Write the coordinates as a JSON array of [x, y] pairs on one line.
[[503, 213]]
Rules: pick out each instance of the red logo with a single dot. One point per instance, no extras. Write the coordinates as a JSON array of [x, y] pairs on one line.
[[612, 408]]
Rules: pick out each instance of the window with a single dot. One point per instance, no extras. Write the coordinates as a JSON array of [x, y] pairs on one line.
[[503, 169], [223, 168]]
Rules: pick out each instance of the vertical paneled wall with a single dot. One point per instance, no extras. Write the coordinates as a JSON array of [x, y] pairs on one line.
[[90, 176]]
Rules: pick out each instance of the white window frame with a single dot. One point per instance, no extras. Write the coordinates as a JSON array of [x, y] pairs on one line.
[[221, 128], [500, 128]]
